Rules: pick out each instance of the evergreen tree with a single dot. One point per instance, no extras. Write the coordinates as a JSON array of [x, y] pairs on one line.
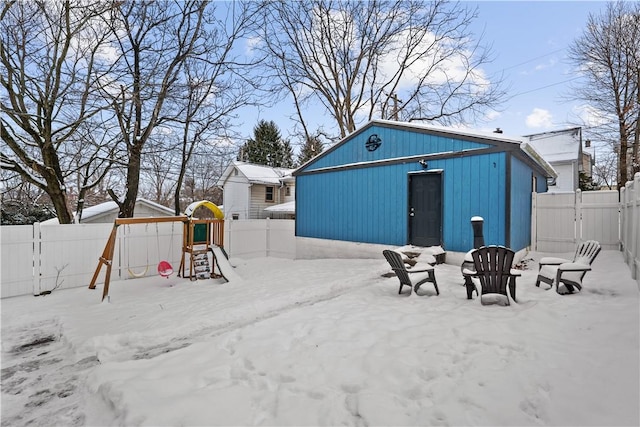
[[586, 182], [285, 156], [311, 148], [267, 147]]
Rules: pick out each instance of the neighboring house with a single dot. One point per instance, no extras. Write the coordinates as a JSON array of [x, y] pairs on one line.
[[107, 212], [249, 189], [398, 183], [563, 150]]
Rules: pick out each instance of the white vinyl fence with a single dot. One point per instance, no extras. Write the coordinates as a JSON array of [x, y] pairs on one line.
[[560, 221], [39, 258], [630, 225]]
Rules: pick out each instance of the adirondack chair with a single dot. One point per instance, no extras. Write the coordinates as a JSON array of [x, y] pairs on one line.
[[568, 272], [492, 267], [411, 278]]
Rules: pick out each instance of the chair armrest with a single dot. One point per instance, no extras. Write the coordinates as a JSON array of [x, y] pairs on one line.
[[467, 272], [420, 266], [553, 261], [574, 266], [422, 270], [515, 273]]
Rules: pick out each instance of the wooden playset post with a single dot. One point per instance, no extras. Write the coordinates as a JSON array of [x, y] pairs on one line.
[[192, 236], [107, 254]]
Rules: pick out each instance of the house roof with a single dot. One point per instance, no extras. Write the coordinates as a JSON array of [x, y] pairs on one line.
[[257, 174], [558, 146], [527, 150], [110, 207]]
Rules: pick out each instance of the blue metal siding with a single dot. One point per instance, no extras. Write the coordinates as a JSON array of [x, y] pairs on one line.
[[473, 186], [395, 143], [370, 204], [541, 184], [362, 205], [521, 177]]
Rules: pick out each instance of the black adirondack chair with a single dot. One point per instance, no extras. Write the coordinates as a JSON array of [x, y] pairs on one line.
[[412, 278], [492, 266]]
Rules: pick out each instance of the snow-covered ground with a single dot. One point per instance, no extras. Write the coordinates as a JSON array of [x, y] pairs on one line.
[[324, 342]]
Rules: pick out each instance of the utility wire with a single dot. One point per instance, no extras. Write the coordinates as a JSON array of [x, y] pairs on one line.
[[533, 59], [543, 87]]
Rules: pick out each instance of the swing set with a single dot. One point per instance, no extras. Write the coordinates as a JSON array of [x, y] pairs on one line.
[[213, 228], [164, 267]]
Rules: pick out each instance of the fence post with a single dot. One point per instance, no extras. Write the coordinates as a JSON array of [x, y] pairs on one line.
[[37, 257], [227, 237], [577, 235], [534, 221], [624, 241], [635, 231], [268, 236]]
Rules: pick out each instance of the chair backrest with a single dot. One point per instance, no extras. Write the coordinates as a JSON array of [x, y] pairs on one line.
[[493, 267], [587, 252], [397, 265]]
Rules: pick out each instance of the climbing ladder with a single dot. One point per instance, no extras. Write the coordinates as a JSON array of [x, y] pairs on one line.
[[201, 264], [198, 240]]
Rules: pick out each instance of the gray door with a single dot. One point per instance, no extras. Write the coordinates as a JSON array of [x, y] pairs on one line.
[[425, 209]]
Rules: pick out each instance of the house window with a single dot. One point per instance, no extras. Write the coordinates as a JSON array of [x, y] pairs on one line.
[[288, 191], [268, 194], [235, 216]]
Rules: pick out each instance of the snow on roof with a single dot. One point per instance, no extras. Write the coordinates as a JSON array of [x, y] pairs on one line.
[[110, 206], [523, 141], [262, 174], [456, 131], [287, 207], [557, 146]]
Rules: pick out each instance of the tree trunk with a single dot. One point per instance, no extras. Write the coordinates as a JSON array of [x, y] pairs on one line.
[[133, 182]]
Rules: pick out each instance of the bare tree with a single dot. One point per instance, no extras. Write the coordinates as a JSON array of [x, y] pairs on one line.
[[49, 52], [608, 55], [158, 169], [605, 170], [396, 59], [172, 69], [217, 84], [152, 42]]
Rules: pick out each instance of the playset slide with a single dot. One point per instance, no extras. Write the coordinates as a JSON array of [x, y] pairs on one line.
[[224, 266]]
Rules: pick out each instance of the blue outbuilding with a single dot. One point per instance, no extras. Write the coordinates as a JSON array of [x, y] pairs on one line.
[[398, 183]]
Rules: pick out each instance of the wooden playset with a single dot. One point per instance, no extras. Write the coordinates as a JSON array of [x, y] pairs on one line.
[[199, 238]]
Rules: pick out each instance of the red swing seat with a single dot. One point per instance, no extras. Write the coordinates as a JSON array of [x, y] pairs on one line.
[[165, 269]]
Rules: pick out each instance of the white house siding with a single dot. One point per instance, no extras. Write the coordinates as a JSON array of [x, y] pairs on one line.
[[258, 203], [565, 181], [236, 198], [292, 193]]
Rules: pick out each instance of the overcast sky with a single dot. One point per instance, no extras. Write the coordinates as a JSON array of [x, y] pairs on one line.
[[529, 40]]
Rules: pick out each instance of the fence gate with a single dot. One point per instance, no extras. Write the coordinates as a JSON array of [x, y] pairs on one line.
[[561, 220]]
